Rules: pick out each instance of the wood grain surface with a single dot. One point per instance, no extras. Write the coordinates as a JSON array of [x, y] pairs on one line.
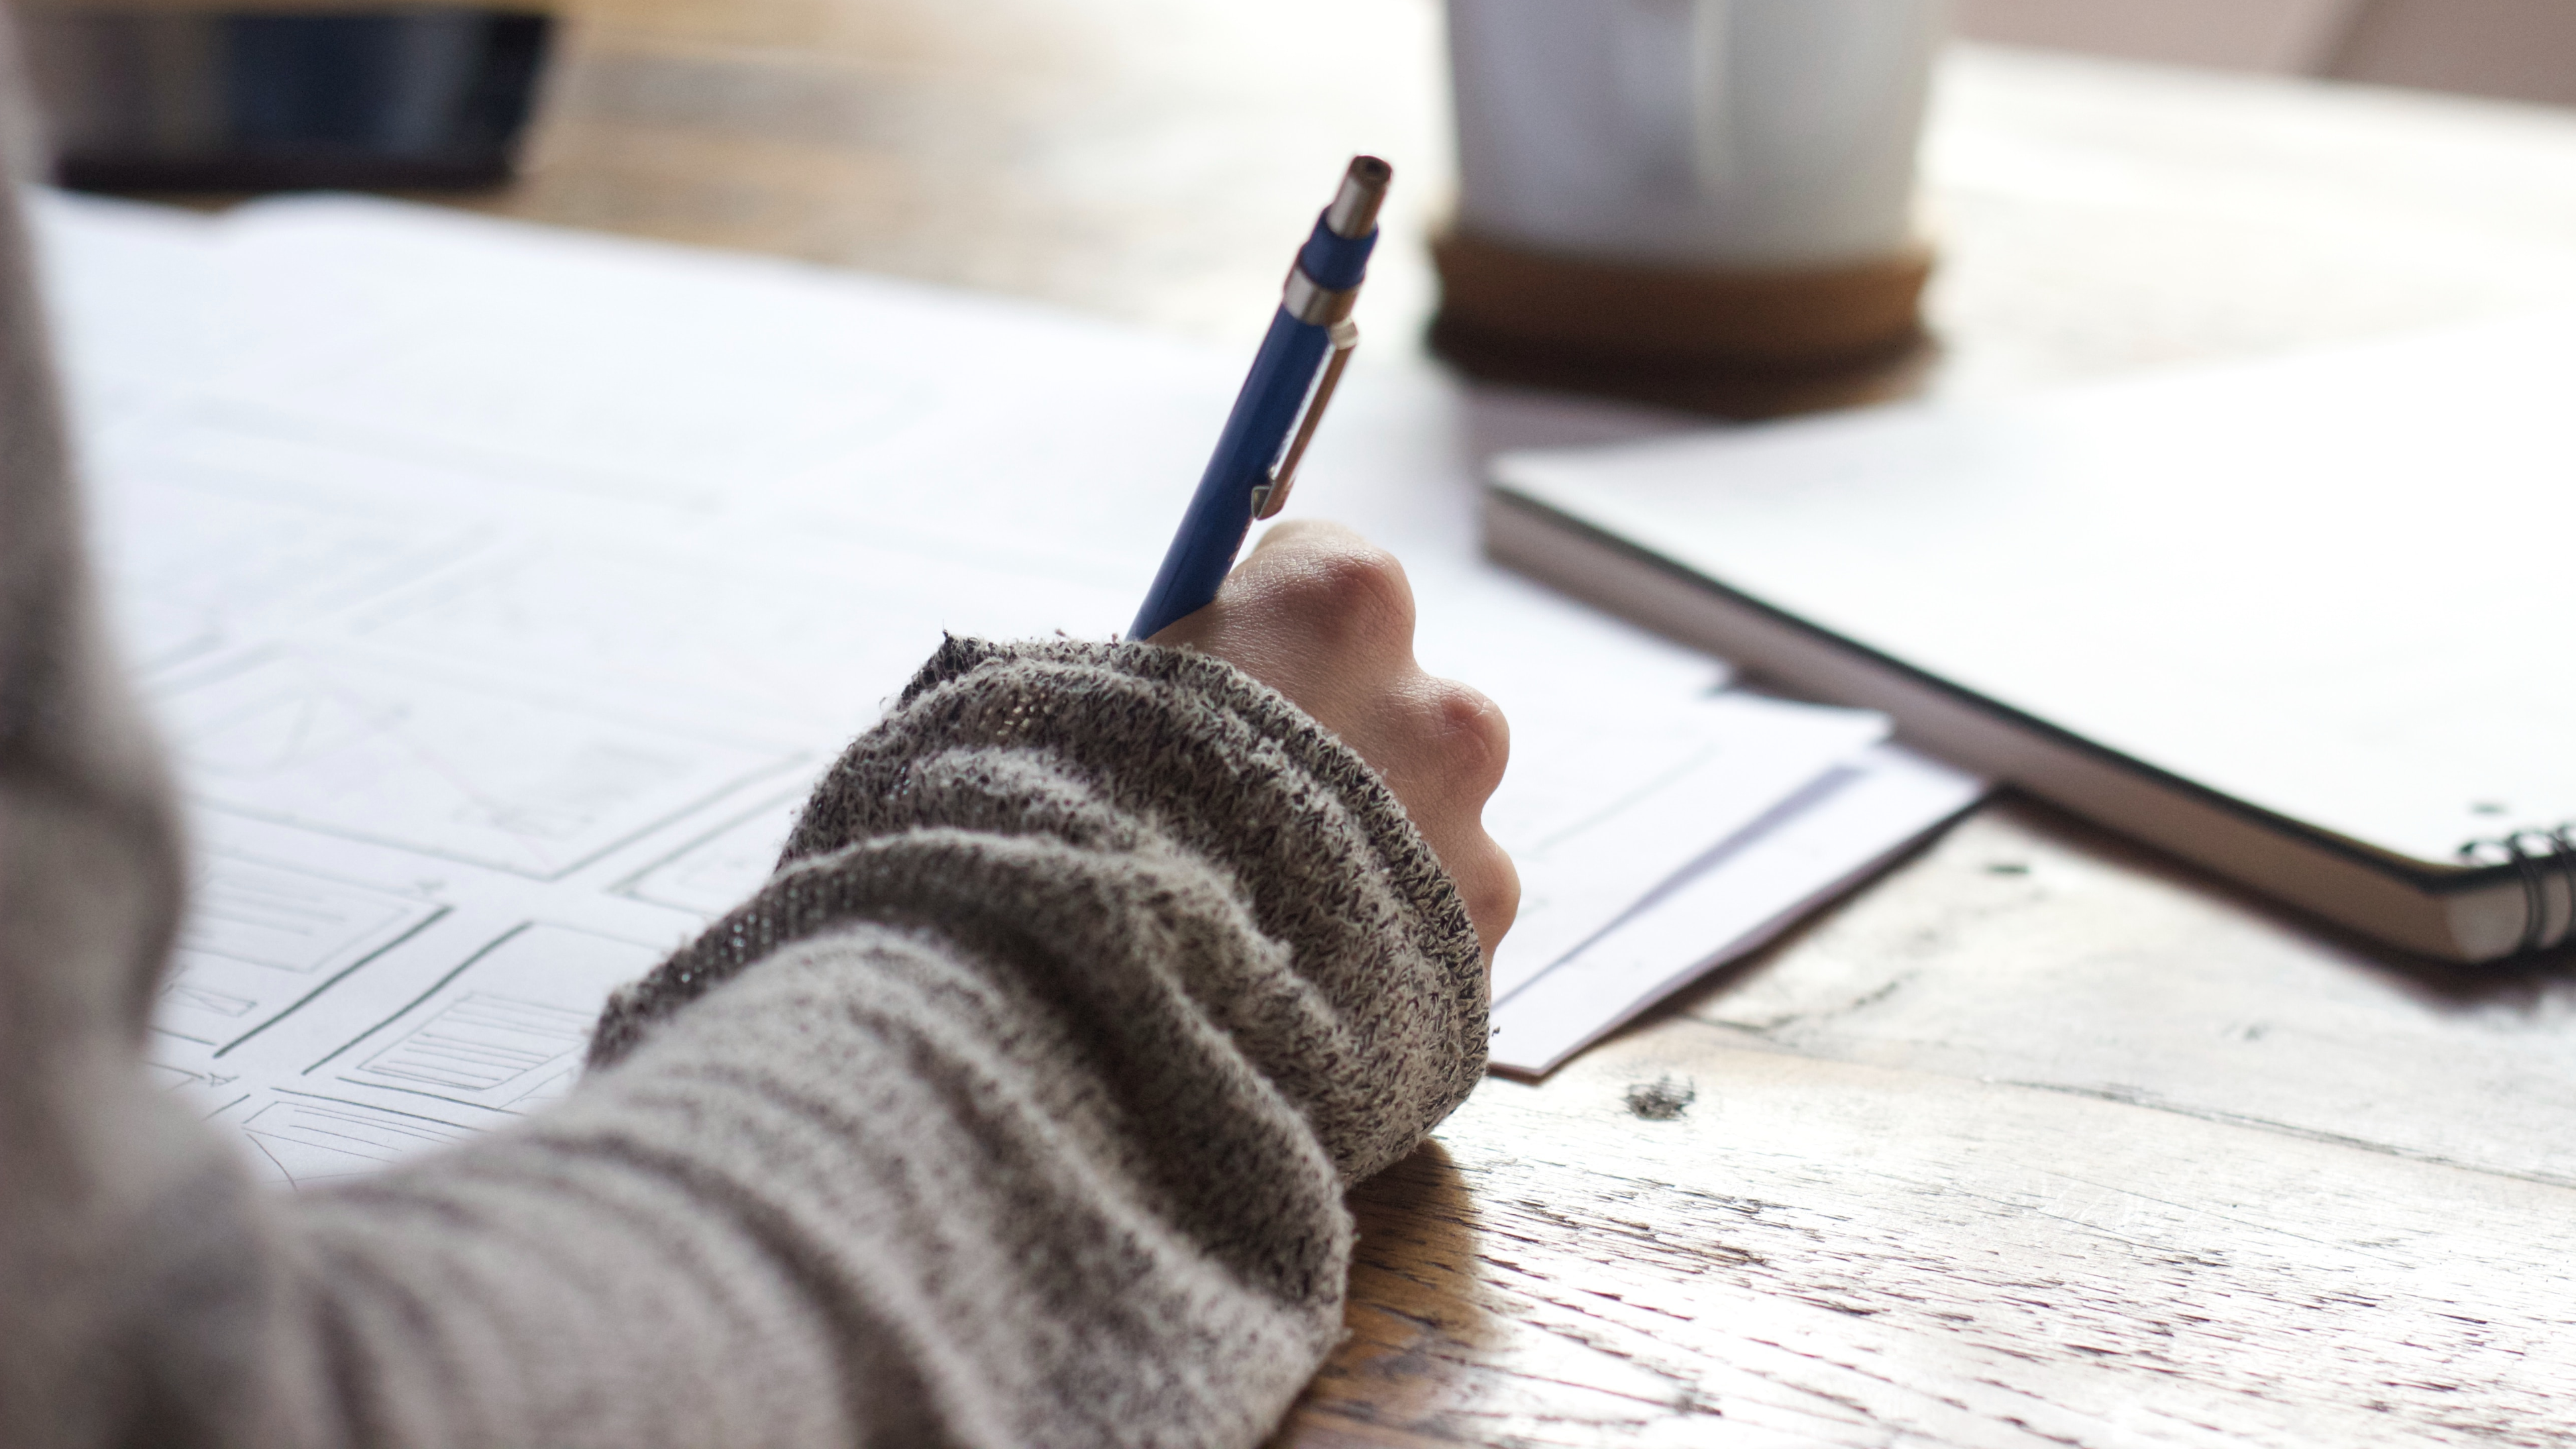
[[2040, 1139]]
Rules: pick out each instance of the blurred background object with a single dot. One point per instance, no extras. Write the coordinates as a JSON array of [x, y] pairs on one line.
[[1728, 133], [2513, 49], [1706, 204], [204, 100], [1138, 159]]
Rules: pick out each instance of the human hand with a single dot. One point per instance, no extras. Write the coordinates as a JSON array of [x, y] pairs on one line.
[[1326, 618]]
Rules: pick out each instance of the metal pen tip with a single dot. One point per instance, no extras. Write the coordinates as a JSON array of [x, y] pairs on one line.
[[1353, 213]]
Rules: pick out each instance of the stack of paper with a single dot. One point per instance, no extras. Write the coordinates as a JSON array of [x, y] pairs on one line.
[[500, 590]]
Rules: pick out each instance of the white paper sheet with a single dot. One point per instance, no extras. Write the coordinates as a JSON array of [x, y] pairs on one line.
[[500, 591], [1605, 809], [1742, 894]]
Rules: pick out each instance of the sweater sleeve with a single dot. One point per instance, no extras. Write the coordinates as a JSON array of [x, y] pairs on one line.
[[1016, 1109]]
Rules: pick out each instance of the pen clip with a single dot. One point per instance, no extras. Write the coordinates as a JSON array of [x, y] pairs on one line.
[[1271, 496]]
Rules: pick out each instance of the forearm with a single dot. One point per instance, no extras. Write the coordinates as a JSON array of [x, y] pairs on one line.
[[1016, 1110], [1335, 953], [888, 1215]]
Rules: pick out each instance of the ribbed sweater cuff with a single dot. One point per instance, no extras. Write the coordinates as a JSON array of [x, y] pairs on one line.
[[1358, 991]]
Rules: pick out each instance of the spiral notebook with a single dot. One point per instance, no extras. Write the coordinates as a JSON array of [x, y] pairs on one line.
[[2303, 621]]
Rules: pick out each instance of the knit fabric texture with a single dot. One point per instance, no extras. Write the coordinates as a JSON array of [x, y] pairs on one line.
[[1015, 1110], [1110, 809]]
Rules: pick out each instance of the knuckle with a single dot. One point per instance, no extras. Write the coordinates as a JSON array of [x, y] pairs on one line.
[[1492, 888], [1474, 740], [1360, 590]]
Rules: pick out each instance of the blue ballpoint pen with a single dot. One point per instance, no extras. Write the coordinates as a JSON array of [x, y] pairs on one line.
[[1274, 417]]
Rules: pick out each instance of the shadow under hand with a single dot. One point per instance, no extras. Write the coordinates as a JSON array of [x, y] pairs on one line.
[[1417, 1316]]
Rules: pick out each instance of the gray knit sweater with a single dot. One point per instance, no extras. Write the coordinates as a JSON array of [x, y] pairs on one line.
[[1015, 1110]]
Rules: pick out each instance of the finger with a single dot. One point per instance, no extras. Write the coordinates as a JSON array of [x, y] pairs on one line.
[[1317, 585], [1290, 532], [1471, 738], [1439, 744], [1487, 881], [1492, 889], [1331, 584]]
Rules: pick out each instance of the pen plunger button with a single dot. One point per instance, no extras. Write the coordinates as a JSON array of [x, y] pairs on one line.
[[1353, 213], [1337, 254]]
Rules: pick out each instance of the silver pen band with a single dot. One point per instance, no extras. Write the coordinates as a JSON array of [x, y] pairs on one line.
[[1317, 305]]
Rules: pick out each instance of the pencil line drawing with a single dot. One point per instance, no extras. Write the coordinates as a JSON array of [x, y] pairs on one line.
[[261, 939], [310, 1139], [482, 1042], [285, 919], [364, 749], [504, 1029], [461, 967], [171, 1077], [198, 556], [206, 999], [429, 918], [719, 869]]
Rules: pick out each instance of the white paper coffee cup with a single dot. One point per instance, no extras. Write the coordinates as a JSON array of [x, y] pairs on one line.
[[1711, 133]]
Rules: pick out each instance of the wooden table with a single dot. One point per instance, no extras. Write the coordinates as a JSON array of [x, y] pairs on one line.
[[2040, 1139]]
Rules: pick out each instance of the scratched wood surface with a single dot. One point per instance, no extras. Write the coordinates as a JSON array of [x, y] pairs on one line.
[[2040, 1139]]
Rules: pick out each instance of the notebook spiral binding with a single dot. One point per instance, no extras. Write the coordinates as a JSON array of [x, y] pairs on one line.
[[2535, 855]]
